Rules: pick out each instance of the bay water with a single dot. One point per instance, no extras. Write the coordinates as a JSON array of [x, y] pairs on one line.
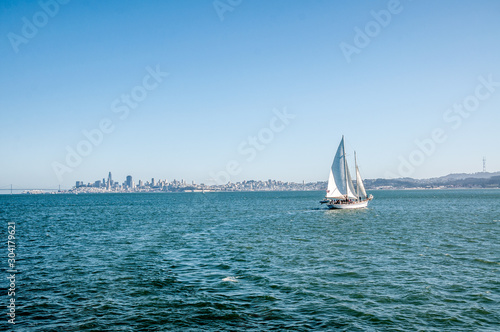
[[255, 261]]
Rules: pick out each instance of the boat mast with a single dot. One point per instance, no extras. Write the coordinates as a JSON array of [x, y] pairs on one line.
[[357, 180], [345, 171]]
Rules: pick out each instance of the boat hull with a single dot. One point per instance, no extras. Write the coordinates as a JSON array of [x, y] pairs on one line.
[[354, 205]]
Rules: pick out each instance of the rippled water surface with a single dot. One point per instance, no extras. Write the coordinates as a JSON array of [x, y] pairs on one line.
[[414, 260]]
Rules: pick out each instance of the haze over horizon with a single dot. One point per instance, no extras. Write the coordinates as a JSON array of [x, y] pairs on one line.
[[249, 89]]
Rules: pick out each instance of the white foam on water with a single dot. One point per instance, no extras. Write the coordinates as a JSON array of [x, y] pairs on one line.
[[231, 279]]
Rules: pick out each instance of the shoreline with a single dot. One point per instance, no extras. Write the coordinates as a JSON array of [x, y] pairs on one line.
[[69, 192]]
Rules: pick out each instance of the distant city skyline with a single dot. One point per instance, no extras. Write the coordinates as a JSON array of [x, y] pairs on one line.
[[253, 90], [129, 184], [479, 180]]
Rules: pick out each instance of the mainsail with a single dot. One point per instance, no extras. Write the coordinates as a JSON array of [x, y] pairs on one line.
[[339, 181]]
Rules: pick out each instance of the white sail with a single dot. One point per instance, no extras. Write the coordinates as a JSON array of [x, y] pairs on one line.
[[339, 181], [332, 191], [351, 193], [360, 185]]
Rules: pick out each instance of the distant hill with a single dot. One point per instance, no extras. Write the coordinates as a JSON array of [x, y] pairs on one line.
[[462, 180], [462, 176]]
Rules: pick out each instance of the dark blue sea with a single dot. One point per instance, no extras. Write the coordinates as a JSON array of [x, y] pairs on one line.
[[258, 261]]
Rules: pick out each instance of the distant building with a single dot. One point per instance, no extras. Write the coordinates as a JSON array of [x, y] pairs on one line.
[[109, 184], [129, 181]]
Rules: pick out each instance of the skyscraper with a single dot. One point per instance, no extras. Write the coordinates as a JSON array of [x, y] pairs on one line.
[[129, 181], [109, 184]]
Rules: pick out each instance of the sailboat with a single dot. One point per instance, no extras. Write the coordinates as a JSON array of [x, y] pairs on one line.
[[341, 193]]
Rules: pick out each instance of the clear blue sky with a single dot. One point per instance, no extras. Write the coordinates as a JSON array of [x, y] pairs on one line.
[[225, 78]]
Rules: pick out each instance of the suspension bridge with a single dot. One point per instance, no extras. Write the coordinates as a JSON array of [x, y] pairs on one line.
[[13, 189]]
